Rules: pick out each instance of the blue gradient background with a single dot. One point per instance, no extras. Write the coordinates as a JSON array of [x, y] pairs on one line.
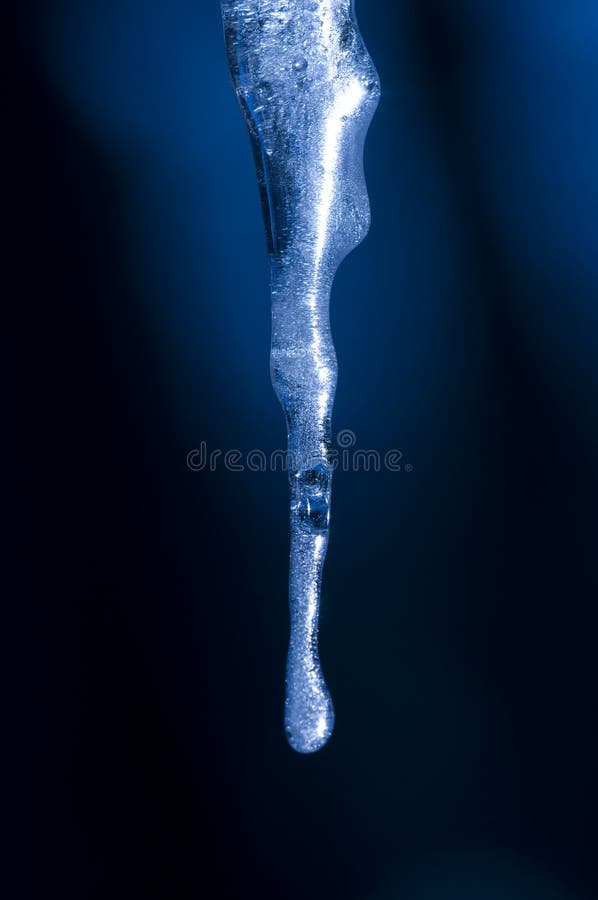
[[459, 621]]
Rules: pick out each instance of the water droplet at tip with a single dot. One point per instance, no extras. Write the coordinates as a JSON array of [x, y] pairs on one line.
[[309, 740]]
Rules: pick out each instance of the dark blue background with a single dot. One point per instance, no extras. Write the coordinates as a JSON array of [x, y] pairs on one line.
[[459, 623]]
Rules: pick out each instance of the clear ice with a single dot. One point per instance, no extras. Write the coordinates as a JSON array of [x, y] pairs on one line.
[[308, 89]]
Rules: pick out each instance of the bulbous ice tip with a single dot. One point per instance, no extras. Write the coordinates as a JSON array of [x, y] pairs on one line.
[[309, 719]]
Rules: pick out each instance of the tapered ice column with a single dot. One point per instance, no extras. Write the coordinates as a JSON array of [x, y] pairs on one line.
[[308, 90]]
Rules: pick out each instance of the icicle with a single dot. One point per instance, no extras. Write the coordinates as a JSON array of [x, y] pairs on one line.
[[308, 90]]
